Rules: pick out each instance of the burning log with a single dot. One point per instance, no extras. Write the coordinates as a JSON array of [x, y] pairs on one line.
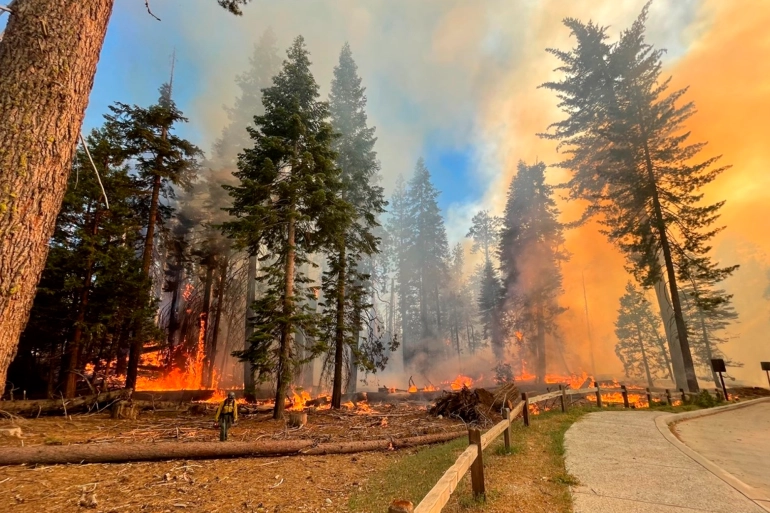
[[49, 406], [474, 406], [121, 453]]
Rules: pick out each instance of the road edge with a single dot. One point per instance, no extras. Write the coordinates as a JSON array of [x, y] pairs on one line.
[[665, 424]]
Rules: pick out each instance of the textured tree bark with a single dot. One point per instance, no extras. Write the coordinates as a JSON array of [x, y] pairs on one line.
[[48, 59]]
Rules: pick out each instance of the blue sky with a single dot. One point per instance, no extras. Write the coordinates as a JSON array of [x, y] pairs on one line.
[[136, 60]]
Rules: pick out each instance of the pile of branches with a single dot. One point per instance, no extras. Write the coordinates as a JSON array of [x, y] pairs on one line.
[[478, 406]]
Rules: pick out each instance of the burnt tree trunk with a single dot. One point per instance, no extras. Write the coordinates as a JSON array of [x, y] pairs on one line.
[[48, 59], [339, 329], [203, 320], [211, 354], [284, 355], [251, 296]]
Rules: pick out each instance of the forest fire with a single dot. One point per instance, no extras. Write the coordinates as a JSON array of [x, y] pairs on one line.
[[298, 400], [459, 383]]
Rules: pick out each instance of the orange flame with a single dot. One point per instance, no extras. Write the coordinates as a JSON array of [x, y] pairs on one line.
[[412, 389], [298, 400], [460, 382]]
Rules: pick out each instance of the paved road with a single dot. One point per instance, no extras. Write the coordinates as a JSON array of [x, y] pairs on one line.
[[738, 441], [625, 465]]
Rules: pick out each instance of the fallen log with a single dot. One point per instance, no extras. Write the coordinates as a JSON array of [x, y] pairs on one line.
[[122, 453], [48, 406]]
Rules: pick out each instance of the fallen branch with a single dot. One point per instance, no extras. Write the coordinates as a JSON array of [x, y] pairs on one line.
[[121, 453]]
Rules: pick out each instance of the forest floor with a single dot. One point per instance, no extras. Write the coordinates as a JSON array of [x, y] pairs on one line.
[[297, 483], [530, 478]]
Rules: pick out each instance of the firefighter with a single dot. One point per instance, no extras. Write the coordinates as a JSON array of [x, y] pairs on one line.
[[228, 411]]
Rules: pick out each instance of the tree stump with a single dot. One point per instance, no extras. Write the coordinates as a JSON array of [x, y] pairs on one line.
[[297, 419], [124, 410]]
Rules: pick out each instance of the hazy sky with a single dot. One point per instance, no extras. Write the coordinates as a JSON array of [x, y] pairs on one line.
[[456, 82]]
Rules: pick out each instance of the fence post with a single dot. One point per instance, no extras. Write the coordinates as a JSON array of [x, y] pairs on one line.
[[624, 393], [649, 397], [563, 398], [477, 468], [668, 396], [684, 396], [598, 395], [507, 432], [525, 410]]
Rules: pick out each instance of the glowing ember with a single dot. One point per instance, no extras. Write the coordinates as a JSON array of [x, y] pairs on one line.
[[412, 389], [429, 388]]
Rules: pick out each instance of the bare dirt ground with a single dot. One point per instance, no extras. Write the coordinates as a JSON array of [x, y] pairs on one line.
[[288, 484]]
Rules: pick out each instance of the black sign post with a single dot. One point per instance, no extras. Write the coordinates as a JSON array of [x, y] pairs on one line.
[[766, 368], [718, 366]]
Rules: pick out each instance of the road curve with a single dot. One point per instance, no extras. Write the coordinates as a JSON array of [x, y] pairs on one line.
[[625, 464]]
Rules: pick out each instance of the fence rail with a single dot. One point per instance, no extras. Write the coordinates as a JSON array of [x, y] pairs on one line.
[[472, 458]]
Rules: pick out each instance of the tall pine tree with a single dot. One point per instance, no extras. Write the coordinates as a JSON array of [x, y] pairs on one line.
[[288, 201], [345, 281], [531, 252], [429, 254], [631, 160], [163, 160]]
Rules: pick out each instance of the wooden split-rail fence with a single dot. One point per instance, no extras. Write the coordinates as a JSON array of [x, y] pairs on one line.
[[473, 457]]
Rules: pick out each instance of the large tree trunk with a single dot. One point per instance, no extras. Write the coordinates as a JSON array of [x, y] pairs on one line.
[[173, 323], [72, 357], [707, 345], [137, 339], [674, 350], [203, 320], [339, 329], [251, 296], [48, 59], [284, 355], [211, 354]]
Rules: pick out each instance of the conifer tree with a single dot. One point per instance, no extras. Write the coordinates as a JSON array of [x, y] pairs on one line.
[[708, 312], [344, 281], [163, 160], [485, 232], [288, 201], [530, 257], [92, 276], [638, 346], [430, 253], [490, 297], [402, 238], [631, 159]]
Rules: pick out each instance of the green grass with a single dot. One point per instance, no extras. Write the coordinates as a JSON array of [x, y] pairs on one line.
[[409, 478]]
